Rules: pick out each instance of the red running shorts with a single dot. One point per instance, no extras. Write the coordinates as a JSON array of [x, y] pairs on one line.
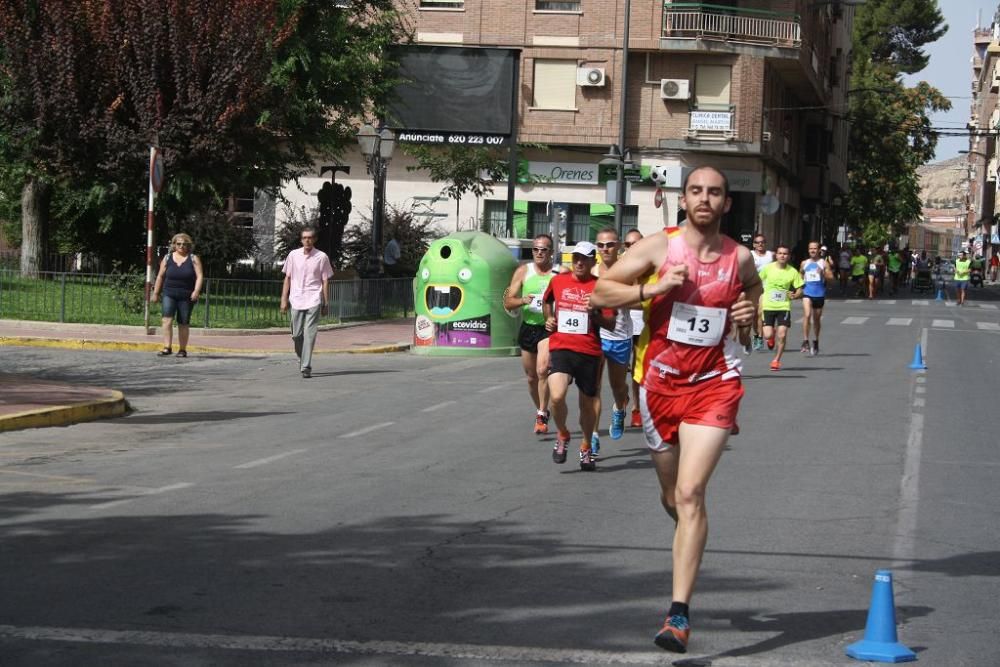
[[714, 403]]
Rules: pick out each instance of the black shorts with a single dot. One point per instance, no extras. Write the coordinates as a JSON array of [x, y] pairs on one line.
[[777, 318], [817, 301], [530, 336], [582, 368]]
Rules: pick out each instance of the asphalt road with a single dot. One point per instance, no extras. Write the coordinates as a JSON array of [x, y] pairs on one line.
[[396, 509]]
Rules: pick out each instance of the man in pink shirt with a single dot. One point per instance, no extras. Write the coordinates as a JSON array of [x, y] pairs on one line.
[[307, 288]]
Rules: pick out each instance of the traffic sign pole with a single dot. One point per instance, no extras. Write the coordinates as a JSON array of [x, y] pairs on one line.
[[155, 184]]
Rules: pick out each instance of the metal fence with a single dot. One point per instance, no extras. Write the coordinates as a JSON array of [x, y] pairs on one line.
[[224, 303]]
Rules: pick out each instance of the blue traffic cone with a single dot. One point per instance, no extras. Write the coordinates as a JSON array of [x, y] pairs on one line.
[[918, 359], [880, 643], [940, 294]]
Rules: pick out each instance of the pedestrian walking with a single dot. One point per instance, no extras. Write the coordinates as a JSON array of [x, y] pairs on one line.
[[307, 290], [179, 281], [391, 255], [691, 381]]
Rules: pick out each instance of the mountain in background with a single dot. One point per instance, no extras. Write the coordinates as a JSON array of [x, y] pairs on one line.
[[944, 184]]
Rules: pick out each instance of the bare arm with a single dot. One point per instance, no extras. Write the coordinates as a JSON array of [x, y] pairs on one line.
[[285, 288], [617, 288], [512, 297], [199, 278], [744, 310], [159, 280]]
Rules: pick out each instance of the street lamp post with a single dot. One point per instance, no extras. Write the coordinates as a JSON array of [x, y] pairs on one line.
[[622, 115], [376, 147], [621, 160]]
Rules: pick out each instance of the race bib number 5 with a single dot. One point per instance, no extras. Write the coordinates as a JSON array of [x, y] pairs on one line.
[[536, 303], [696, 325], [574, 322]]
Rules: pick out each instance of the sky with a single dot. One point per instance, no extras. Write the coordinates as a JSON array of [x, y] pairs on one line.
[[950, 69]]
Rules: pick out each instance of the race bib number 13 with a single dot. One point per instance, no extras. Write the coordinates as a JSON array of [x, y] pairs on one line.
[[696, 325], [574, 322]]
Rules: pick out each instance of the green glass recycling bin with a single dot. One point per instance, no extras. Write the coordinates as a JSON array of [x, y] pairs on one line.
[[458, 297]]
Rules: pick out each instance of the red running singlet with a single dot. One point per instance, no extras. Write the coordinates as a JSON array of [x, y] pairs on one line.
[[689, 326]]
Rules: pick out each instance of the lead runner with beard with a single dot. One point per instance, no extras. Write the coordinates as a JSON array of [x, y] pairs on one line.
[[691, 386]]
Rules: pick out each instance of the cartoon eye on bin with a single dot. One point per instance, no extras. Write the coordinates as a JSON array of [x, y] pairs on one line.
[[425, 274], [465, 275]]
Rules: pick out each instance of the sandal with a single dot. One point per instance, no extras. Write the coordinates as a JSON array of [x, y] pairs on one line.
[[165, 352], [182, 353]]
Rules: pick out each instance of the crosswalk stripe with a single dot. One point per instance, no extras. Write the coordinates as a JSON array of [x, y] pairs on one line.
[[854, 320], [920, 302], [899, 321], [890, 302], [943, 324], [988, 326], [853, 301], [988, 306]]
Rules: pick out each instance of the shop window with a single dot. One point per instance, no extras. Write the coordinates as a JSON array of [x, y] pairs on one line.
[[712, 87], [495, 217], [538, 219], [547, 6], [554, 84]]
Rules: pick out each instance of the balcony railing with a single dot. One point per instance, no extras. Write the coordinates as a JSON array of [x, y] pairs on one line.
[[695, 20]]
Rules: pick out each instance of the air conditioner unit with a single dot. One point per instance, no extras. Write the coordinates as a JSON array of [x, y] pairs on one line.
[[590, 76], [675, 89]]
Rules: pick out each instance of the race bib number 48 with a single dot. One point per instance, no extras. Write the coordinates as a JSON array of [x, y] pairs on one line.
[[696, 325], [574, 322]]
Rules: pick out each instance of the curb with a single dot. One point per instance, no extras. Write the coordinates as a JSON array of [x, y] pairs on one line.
[[118, 346], [65, 415]]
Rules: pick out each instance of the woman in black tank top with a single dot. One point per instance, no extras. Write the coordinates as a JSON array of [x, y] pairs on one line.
[[180, 279]]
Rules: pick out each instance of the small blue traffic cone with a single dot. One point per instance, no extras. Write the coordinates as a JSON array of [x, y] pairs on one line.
[[940, 294], [880, 643], [918, 359]]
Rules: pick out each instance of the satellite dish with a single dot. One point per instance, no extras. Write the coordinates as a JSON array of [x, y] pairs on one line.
[[769, 204]]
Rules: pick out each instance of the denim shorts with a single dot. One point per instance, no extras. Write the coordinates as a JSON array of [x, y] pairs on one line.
[[178, 308]]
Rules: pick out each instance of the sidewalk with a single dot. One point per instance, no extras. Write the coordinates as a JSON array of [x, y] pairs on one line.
[[362, 337], [29, 403]]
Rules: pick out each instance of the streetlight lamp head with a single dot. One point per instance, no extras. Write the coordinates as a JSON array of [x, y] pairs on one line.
[[386, 144], [366, 139]]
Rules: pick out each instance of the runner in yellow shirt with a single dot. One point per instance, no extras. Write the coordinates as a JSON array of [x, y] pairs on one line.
[[782, 284]]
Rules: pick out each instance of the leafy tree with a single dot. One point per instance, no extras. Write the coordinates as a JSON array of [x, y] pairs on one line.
[[239, 95], [218, 242], [891, 132], [414, 232]]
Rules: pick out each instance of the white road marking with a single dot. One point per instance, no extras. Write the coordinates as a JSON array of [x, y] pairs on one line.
[[899, 322], [890, 302], [988, 306], [988, 326], [497, 387], [438, 406], [854, 320], [367, 429], [852, 301], [279, 645], [150, 492], [799, 320], [943, 324], [920, 302], [904, 547], [269, 459], [921, 390]]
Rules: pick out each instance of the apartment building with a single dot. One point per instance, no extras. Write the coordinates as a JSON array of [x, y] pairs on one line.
[[756, 88], [979, 229]]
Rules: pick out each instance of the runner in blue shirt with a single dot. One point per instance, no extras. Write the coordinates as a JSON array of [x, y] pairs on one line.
[[816, 271]]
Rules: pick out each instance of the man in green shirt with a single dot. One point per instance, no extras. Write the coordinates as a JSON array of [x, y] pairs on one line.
[[962, 269], [859, 266], [782, 284], [894, 267]]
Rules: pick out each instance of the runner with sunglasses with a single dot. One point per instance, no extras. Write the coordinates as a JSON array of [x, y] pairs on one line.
[[525, 291], [616, 344]]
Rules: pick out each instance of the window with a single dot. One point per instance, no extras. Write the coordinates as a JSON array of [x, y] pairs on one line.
[[547, 6], [495, 217], [538, 219], [711, 87], [240, 209], [555, 84], [630, 219], [442, 4]]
